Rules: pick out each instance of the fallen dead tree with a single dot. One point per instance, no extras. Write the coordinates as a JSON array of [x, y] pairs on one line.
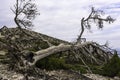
[[89, 49]]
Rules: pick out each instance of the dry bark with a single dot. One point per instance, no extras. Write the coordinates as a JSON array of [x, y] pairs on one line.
[[80, 48]]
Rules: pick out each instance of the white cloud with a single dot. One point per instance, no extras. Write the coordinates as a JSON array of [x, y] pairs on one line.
[[61, 18]]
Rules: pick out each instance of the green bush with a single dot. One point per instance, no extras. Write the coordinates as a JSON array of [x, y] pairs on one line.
[[80, 68], [112, 68], [96, 69], [75, 67], [42, 44], [118, 74], [51, 63]]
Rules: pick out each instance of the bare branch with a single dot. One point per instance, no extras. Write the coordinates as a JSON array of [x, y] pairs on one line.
[[25, 11], [96, 17]]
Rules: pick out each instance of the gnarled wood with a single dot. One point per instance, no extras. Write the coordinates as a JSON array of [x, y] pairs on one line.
[[81, 48]]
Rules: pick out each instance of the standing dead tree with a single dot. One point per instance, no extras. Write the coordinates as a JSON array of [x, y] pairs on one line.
[[96, 17], [25, 11]]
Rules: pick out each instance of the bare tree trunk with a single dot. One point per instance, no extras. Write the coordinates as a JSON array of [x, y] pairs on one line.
[[62, 48], [82, 30], [49, 51]]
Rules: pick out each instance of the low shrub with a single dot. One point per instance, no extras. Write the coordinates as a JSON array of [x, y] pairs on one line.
[[51, 63], [112, 68]]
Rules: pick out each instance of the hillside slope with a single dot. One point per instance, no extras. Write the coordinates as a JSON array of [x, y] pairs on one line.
[[24, 40], [50, 53]]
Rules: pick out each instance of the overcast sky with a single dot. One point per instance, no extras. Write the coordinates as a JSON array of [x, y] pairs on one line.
[[61, 19]]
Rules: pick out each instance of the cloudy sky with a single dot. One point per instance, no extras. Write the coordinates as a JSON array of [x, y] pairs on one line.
[[61, 19]]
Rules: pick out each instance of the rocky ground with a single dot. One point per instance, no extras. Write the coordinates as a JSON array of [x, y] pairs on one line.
[[14, 37], [9, 75], [5, 74], [99, 77]]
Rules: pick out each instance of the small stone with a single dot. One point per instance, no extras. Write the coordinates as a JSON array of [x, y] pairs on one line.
[[14, 76], [116, 78], [5, 79], [1, 78]]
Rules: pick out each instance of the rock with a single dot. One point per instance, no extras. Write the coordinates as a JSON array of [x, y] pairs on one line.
[[98, 77], [15, 76], [116, 78], [2, 53], [1, 78], [1, 36]]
